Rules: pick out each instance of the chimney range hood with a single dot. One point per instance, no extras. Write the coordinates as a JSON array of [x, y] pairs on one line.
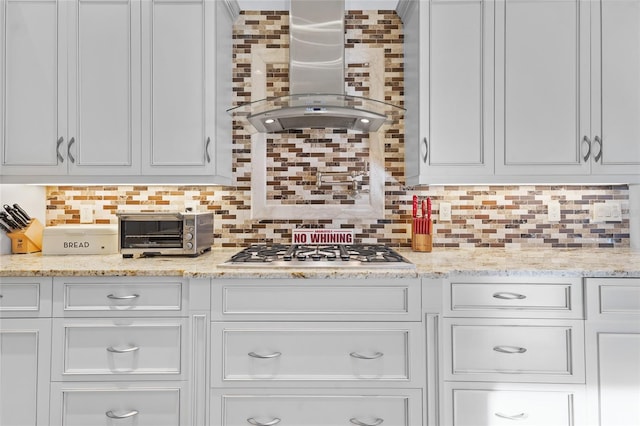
[[316, 80]]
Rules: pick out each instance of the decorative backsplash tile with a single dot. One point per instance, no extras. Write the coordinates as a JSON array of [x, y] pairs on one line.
[[482, 216]]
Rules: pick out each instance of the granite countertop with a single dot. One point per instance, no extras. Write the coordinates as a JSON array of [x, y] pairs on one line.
[[440, 262]]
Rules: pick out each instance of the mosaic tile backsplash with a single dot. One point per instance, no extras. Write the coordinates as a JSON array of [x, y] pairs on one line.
[[482, 216]]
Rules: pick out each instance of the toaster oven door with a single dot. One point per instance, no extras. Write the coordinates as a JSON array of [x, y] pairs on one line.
[[151, 232]]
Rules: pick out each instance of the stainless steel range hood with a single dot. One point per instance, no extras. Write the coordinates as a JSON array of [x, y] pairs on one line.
[[316, 80]]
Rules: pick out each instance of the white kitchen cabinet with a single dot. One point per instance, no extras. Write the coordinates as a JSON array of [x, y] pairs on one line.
[[305, 407], [513, 351], [129, 403], [449, 73], [25, 344], [542, 87], [115, 91], [615, 87], [179, 91], [499, 100], [613, 351], [71, 87]]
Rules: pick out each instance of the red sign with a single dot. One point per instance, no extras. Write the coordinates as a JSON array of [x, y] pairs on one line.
[[322, 236]]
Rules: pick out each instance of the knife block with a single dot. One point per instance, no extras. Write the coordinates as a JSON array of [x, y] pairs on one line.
[[27, 240], [421, 241]]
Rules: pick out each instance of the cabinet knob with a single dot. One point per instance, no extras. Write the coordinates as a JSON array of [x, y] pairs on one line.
[[375, 355], [123, 351], [506, 295], [426, 150], [509, 349], [71, 142], [206, 150], [272, 355], [520, 416], [253, 421], [58, 143], [598, 156], [128, 297], [586, 140], [376, 422], [113, 415]]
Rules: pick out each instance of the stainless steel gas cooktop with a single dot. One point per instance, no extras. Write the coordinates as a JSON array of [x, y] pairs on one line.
[[319, 256]]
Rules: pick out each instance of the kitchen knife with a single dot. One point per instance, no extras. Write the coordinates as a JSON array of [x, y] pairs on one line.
[[9, 221], [5, 227], [13, 214], [428, 215], [22, 212], [415, 206]]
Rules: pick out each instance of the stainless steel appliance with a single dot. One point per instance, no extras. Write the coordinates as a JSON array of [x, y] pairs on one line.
[[319, 256], [164, 233]]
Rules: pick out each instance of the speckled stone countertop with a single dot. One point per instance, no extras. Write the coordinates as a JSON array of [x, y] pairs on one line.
[[439, 263]]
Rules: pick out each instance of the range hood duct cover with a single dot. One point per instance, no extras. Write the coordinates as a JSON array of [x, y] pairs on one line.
[[316, 80]]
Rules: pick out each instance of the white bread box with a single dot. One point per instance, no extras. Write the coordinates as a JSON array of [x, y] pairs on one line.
[[80, 239]]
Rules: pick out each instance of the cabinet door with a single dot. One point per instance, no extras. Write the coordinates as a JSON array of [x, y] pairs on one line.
[[24, 372], [613, 351], [104, 87], [178, 94], [449, 126], [542, 87], [33, 98], [615, 50]]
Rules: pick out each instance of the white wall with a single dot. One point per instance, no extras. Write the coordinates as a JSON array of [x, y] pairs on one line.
[[634, 216], [31, 198]]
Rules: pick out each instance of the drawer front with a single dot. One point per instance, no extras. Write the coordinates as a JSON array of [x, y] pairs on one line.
[[316, 300], [308, 409], [514, 351], [613, 298], [501, 297], [488, 407], [25, 297], [282, 352], [118, 297], [118, 349], [125, 405]]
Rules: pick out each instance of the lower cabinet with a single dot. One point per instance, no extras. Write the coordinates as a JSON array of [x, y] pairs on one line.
[[126, 403], [313, 407], [25, 349], [473, 404], [613, 351], [24, 371]]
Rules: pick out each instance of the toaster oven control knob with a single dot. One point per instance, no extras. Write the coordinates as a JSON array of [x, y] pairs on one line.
[[189, 245], [188, 236]]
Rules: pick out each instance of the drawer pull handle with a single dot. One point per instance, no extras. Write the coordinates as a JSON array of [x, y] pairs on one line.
[[376, 422], [129, 297], [375, 355], [113, 415], [123, 351], [520, 416], [510, 349], [273, 355], [508, 295], [254, 422]]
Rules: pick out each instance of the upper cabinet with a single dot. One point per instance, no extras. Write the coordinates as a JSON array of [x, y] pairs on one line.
[[502, 101], [449, 81], [115, 90]]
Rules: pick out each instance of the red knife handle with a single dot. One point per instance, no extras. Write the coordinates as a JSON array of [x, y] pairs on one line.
[[415, 206]]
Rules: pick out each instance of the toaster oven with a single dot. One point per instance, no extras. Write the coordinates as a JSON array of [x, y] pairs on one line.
[[164, 233]]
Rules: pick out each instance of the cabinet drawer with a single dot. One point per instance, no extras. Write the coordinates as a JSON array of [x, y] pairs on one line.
[[118, 296], [514, 350], [118, 349], [508, 297], [25, 297], [281, 352], [99, 404], [613, 298], [491, 407], [304, 408], [316, 300]]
